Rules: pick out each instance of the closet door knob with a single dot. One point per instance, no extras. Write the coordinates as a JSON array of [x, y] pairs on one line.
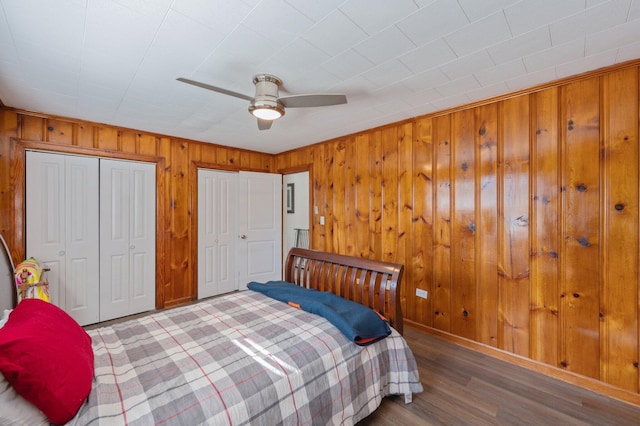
[[132, 246], [61, 253], [244, 237]]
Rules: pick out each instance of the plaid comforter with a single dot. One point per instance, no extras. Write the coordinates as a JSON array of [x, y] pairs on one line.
[[240, 359]]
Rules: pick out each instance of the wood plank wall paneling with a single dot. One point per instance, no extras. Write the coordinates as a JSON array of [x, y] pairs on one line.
[[340, 202], [9, 201], [422, 232], [375, 204], [486, 220], [619, 220], [513, 229], [350, 208], [441, 294], [404, 248], [463, 225], [176, 190], [362, 183], [518, 216], [390, 176], [580, 257], [545, 231]]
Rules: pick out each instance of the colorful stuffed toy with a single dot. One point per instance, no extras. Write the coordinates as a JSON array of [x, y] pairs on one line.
[[30, 282]]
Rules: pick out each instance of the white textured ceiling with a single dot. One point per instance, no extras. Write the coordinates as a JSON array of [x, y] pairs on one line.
[[116, 61]]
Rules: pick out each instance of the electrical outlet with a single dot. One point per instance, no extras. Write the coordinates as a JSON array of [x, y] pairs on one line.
[[421, 293]]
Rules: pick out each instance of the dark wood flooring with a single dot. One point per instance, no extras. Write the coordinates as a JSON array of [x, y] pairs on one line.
[[465, 387]]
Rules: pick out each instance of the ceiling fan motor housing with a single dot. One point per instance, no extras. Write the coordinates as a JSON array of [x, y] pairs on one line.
[[267, 94]]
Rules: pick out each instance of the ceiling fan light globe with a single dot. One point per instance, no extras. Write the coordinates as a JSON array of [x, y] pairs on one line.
[[265, 113], [266, 109]]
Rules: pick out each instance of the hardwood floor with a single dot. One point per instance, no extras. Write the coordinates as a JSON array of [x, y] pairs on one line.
[[465, 387]]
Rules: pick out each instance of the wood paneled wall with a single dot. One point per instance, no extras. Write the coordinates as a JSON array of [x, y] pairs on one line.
[[177, 161], [518, 216]]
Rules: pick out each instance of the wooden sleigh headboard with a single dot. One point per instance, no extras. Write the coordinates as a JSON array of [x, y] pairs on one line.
[[373, 283]]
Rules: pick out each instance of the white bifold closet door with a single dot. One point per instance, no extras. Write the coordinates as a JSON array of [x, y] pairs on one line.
[[92, 221], [62, 229], [127, 238]]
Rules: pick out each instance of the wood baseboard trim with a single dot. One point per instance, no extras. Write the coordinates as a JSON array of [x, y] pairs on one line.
[[539, 367]]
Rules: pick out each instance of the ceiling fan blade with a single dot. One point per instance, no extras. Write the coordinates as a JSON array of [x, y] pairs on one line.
[[312, 100], [264, 124], [215, 89]]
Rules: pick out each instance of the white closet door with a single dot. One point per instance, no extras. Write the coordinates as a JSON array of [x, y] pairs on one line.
[[259, 227], [127, 238], [217, 206], [143, 237], [62, 228], [45, 214]]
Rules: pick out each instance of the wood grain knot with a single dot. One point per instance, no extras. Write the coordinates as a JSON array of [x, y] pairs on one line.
[[521, 221], [563, 364], [619, 207], [582, 187], [584, 242], [50, 128], [465, 313], [482, 131]]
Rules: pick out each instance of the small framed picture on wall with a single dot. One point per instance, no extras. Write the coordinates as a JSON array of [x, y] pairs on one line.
[[291, 208]]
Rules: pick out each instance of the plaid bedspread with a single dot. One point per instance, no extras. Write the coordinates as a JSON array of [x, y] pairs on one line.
[[240, 359]]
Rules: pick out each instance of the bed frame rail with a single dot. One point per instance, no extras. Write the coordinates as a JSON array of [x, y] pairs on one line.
[[373, 283]]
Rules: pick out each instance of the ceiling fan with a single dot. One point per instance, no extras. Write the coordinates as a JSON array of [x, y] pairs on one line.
[[266, 105]]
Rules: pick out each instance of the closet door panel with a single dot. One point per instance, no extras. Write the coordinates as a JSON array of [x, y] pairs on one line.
[[226, 225], [82, 257], [207, 233], [142, 249], [127, 238], [45, 212], [217, 201], [62, 228], [114, 239]]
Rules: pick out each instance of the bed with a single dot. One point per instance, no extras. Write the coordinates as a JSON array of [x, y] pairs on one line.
[[246, 358]]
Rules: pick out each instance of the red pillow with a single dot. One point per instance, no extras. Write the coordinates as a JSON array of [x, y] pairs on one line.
[[47, 357]]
